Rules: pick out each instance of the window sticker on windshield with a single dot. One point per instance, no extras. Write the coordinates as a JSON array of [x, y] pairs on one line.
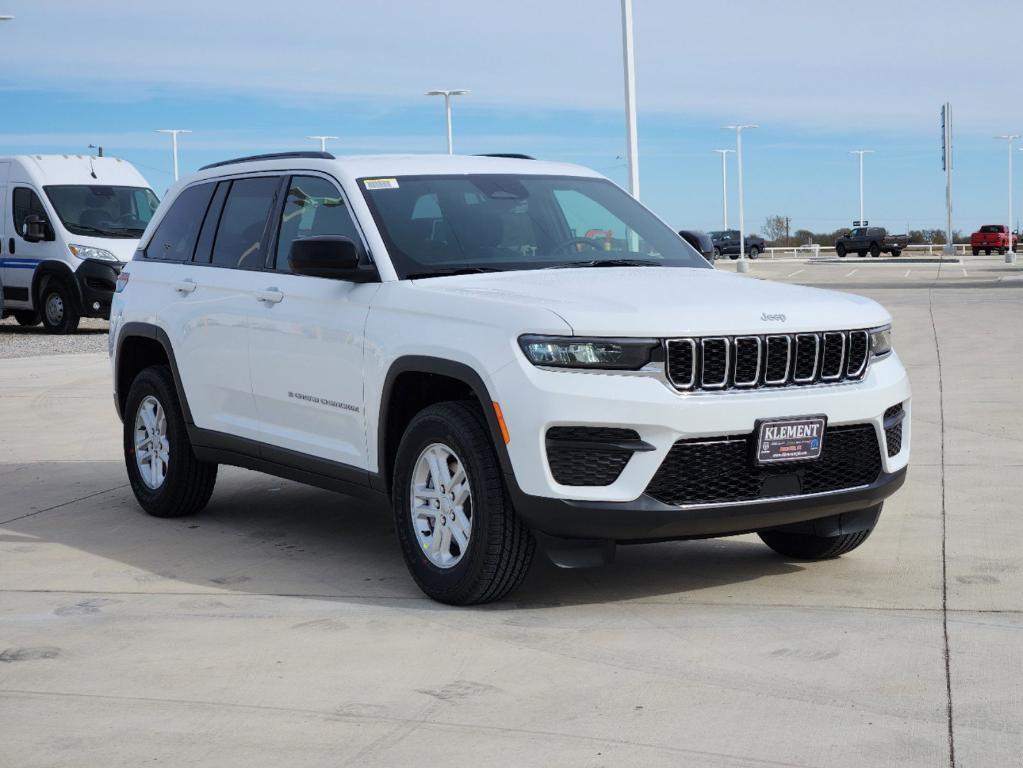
[[371, 184]]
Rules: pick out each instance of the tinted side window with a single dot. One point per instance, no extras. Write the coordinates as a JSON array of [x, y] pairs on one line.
[[174, 239], [239, 243], [24, 203], [204, 246], [313, 207]]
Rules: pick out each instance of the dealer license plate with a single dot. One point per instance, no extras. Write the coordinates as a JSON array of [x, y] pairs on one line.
[[796, 439]]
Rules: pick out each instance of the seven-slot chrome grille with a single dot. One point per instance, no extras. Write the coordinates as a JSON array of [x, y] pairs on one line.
[[714, 363]]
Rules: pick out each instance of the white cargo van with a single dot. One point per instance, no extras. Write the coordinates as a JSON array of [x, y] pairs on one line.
[[68, 224]]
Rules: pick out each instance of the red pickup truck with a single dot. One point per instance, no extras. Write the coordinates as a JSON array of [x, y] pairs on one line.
[[992, 237]]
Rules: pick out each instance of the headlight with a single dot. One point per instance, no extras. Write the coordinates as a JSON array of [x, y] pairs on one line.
[[881, 341], [577, 352], [89, 252]]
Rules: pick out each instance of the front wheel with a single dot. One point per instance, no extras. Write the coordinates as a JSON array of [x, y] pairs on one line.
[[806, 546], [166, 477], [27, 317], [58, 308], [716, 254], [459, 535], [754, 252], [840, 250]]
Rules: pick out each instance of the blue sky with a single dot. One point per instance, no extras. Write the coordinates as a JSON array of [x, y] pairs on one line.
[[545, 77]]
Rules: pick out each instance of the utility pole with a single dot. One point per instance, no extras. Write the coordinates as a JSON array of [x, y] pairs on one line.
[[946, 163], [1010, 254], [628, 57], [447, 94], [861, 153], [742, 265], [724, 184], [174, 144]]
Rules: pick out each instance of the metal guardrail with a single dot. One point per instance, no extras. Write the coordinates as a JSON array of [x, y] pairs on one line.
[[814, 251]]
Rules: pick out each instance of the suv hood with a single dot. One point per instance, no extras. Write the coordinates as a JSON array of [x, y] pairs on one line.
[[667, 301]]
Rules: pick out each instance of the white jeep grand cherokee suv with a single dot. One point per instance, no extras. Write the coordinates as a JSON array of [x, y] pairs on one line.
[[513, 353]]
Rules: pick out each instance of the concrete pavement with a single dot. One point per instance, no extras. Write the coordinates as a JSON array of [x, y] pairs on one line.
[[280, 627]]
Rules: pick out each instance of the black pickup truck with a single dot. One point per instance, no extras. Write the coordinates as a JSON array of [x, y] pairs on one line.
[[726, 243], [872, 240]]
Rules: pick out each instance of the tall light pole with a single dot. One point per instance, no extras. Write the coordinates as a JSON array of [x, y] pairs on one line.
[[861, 153], [447, 94], [323, 141], [1010, 255], [174, 144], [724, 183], [629, 62], [742, 265]]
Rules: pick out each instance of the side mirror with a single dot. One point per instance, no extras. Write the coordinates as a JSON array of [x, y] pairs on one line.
[[334, 257], [34, 228]]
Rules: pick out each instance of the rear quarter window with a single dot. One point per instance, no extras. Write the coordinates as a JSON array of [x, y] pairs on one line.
[[175, 236]]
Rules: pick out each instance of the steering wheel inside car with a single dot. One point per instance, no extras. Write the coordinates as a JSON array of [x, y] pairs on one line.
[[597, 245]]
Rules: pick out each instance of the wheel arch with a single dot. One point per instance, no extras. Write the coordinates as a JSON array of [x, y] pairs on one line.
[[48, 270], [139, 346], [416, 381]]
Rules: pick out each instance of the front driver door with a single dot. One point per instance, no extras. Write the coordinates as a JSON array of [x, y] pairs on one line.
[[306, 339]]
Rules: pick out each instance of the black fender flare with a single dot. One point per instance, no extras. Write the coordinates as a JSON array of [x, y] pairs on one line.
[[154, 333], [451, 369], [49, 269]]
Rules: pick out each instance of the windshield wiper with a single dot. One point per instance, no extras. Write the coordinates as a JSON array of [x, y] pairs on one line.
[[451, 271], [605, 263]]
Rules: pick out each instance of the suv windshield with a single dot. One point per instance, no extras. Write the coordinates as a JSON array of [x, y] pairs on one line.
[[440, 225], [103, 211]]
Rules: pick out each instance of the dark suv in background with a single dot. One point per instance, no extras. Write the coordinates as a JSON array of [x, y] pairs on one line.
[[726, 243], [872, 240]]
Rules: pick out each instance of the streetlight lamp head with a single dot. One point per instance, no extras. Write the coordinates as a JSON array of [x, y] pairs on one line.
[[6, 18], [448, 92]]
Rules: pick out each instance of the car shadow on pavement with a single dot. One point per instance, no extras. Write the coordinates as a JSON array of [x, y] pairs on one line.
[[261, 535]]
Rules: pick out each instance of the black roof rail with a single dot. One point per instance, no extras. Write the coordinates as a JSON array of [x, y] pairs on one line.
[[510, 155], [273, 156]]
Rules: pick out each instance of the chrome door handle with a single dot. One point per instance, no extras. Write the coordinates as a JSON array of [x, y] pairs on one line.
[[186, 286], [270, 296]]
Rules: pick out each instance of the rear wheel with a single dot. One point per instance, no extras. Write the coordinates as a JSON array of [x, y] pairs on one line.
[[754, 252], [166, 477], [58, 308], [27, 317], [840, 250], [462, 542], [875, 250]]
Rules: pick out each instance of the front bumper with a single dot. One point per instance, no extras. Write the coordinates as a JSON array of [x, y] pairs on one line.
[[96, 281], [647, 519]]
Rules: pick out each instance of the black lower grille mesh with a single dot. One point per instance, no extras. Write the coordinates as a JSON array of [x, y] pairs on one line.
[[588, 462], [721, 470]]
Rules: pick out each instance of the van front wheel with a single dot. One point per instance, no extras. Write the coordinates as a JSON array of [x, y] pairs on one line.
[[58, 308]]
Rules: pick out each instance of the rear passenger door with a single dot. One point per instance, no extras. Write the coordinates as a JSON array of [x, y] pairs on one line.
[[307, 339], [213, 299]]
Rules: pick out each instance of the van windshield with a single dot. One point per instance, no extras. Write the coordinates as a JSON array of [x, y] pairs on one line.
[[103, 211], [443, 225]]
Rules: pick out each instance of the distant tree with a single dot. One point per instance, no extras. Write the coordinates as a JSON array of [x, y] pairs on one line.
[[776, 228], [804, 237]]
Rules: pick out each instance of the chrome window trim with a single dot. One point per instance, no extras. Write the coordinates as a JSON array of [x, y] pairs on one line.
[[788, 358], [703, 369], [756, 376], [841, 357], [667, 359], [816, 357]]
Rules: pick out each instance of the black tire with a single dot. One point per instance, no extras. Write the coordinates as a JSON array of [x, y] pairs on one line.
[[875, 250], [976, 251], [57, 306], [896, 253], [754, 252], [500, 547], [27, 317], [188, 483], [805, 546], [840, 250], [716, 254]]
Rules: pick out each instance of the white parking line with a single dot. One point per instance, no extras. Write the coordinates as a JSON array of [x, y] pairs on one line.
[[907, 273], [793, 274], [853, 272], [965, 274]]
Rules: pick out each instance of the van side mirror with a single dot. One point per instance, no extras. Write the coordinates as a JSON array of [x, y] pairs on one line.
[[334, 257], [34, 229]]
